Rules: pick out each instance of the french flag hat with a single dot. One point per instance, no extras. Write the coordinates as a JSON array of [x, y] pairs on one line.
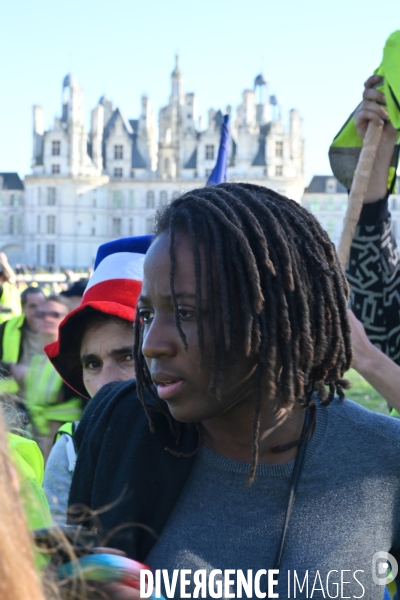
[[113, 289]]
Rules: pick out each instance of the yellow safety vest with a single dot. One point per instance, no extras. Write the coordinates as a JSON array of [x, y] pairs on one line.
[[28, 461], [10, 298], [42, 386], [10, 350]]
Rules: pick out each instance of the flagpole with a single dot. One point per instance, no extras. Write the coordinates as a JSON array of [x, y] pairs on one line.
[[358, 190]]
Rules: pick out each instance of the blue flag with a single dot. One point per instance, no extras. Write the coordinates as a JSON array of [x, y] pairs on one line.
[[218, 174]]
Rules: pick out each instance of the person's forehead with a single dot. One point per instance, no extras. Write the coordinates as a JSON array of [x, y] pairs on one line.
[[35, 298], [56, 306], [106, 337], [157, 264]]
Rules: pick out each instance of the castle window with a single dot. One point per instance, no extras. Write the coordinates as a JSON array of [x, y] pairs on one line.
[[117, 199], [163, 198], [50, 254], [150, 225], [330, 205], [209, 152], [130, 230], [344, 203], [118, 152], [314, 204], [51, 224], [116, 227], [208, 173], [330, 185], [131, 199], [38, 257], [14, 225], [51, 196], [330, 228], [166, 164], [279, 149], [118, 172], [38, 224], [14, 200], [93, 231], [150, 203], [55, 148], [55, 169], [278, 171]]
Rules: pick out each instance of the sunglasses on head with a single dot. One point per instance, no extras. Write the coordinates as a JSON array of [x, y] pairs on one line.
[[41, 314]]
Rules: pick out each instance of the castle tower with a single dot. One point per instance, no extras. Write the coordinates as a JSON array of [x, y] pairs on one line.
[[38, 131], [72, 116], [177, 83], [147, 136], [263, 108], [97, 127]]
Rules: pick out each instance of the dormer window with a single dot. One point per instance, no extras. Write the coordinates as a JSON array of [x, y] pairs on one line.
[[118, 172], [279, 149], [118, 152], [209, 152], [330, 185], [55, 148]]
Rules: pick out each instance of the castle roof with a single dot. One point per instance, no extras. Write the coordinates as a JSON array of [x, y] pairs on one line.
[[10, 181], [318, 185]]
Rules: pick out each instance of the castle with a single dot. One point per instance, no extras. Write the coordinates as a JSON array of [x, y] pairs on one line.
[[86, 188]]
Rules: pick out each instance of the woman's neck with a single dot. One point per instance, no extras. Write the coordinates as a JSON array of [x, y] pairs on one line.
[[231, 434]]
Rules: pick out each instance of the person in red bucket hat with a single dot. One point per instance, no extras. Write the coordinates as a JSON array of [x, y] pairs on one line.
[[94, 347]]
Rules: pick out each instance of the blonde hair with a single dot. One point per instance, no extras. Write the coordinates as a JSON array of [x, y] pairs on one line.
[[19, 579]]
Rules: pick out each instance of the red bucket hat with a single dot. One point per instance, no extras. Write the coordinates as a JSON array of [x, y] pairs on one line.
[[113, 289]]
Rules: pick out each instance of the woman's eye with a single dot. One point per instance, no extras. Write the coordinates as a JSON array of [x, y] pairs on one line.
[[186, 313], [147, 316]]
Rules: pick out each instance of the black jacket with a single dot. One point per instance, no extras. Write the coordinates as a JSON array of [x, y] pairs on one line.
[[124, 470]]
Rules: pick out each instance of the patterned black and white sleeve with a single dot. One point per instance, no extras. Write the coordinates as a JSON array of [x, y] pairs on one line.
[[373, 272]]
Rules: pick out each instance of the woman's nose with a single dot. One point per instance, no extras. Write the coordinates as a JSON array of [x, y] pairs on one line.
[[158, 338]]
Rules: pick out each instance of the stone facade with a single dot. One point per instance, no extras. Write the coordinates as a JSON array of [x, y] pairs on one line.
[[327, 199], [12, 210], [86, 188]]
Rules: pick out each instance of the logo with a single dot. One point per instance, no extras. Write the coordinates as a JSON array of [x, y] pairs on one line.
[[384, 568]]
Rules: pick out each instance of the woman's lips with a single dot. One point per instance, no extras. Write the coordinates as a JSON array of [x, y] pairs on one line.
[[168, 389]]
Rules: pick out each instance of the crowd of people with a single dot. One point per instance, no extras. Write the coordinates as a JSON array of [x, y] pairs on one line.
[[189, 401]]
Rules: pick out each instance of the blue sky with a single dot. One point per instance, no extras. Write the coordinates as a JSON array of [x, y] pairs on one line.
[[315, 56]]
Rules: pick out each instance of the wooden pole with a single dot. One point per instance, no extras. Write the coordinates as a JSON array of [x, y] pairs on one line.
[[358, 190]]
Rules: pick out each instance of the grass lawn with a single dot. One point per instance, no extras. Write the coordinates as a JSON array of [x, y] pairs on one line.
[[364, 394]]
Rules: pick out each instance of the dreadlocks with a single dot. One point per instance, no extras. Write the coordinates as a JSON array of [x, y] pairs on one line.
[[275, 288]]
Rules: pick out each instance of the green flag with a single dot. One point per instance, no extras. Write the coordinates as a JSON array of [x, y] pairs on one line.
[[346, 146]]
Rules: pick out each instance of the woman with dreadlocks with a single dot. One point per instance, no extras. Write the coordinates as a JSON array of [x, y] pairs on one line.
[[235, 448]]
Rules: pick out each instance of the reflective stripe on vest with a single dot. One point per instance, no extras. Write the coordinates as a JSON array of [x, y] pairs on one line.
[[68, 430], [10, 350], [43, 384], [11, 299]]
